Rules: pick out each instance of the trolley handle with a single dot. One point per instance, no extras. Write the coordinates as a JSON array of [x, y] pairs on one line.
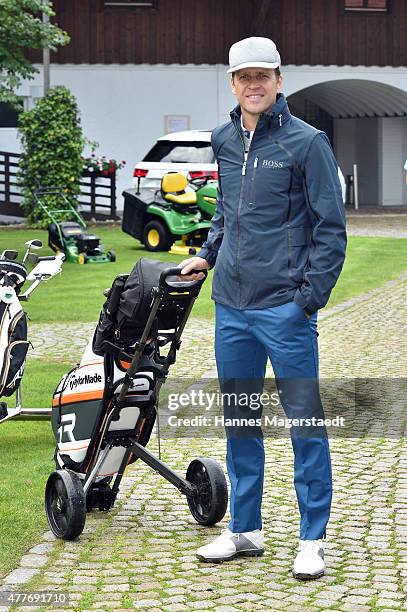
[[179, 283]]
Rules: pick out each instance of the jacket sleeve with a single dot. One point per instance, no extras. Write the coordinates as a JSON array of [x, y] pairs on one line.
[[328, 243], [211, 246]]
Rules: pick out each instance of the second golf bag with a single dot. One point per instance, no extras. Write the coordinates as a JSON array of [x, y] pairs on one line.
[[13, 327]]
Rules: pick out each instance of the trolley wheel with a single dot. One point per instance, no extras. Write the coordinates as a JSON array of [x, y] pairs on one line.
[[65, 504], [208, 506], [111, 256], [156, 236]]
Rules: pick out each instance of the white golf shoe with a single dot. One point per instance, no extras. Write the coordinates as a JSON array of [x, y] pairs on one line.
[[309, 562], [229, 545]]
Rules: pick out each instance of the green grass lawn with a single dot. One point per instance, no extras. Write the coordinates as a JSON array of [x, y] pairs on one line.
[[27, 448], [76, 295], [26, 453], [369, 263]]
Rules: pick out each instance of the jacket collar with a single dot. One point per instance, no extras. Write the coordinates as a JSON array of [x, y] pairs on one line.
[[274, 117]]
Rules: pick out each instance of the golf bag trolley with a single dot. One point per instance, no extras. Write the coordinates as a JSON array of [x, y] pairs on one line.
[[104, 410], [13, 320]]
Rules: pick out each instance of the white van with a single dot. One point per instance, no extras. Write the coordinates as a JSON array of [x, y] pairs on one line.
[[189, 152]]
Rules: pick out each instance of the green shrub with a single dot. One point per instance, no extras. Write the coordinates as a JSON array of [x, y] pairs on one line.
[[52, 141]]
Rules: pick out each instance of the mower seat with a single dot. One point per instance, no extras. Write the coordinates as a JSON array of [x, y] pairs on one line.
[[173, 189]]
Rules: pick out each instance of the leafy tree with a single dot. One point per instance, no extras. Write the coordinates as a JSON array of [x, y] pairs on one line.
[[22, 28], [52, 140]]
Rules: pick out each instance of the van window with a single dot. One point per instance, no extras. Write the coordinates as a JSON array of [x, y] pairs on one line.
[[189, 152]]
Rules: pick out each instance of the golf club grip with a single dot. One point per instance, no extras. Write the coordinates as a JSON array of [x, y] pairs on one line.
[[177, 272]]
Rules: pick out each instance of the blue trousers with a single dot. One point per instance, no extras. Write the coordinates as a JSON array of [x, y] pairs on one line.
[[244, 339]]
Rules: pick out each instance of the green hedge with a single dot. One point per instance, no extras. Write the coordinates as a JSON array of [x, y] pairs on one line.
[[52, 141]]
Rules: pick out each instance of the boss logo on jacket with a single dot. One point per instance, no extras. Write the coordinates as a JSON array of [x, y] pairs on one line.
[[268, 163]]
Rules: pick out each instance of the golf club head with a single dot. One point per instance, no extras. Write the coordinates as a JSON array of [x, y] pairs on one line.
[[9, 255], [34, 244], [33, 258]]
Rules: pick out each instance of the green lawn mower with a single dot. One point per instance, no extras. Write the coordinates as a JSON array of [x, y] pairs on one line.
[[160, 218], [71, 237], [205, 195]]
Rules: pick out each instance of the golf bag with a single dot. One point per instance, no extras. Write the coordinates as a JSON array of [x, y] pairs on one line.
[[105, 408], [126, 310], [13, 327], [84, 396]]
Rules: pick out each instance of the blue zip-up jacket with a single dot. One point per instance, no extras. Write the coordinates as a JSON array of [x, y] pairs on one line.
[[278, 232]]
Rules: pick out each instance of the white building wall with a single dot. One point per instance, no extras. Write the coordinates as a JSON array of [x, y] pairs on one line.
[[9, 140], [123, 106]]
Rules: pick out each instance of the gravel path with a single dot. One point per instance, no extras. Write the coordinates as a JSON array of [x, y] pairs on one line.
[[392, 226], [141, 555]]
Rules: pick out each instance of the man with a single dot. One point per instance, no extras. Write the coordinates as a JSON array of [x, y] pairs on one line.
[[278, 241]]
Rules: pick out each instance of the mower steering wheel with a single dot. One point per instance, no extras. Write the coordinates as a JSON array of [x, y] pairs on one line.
[[201, 181]]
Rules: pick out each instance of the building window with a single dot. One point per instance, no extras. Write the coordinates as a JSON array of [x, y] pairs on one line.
[[367, 5], [131, 3]]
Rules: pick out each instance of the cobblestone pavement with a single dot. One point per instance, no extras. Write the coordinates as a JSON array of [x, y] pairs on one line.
[[141, 555]]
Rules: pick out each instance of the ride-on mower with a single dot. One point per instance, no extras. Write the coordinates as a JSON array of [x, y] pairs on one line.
[[71, 237], [206, 195], [160, 218]]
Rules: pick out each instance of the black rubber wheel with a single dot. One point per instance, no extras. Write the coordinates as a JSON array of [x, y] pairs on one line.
[[208, 506], [156, 236], [65, 504], [111, 255], [3, 410]]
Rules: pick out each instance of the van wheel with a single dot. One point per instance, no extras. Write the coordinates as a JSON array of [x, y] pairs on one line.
[[156, 237]]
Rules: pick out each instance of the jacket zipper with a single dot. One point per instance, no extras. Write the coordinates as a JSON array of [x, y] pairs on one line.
[[253, 180], [289, 262], [238, 213]]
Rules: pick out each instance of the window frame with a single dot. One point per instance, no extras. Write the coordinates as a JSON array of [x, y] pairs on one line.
[[367, 8]]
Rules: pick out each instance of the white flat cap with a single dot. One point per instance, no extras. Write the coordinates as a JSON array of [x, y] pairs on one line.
[[253, 52]]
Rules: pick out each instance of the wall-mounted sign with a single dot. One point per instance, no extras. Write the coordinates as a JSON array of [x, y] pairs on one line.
[[176, 123]]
